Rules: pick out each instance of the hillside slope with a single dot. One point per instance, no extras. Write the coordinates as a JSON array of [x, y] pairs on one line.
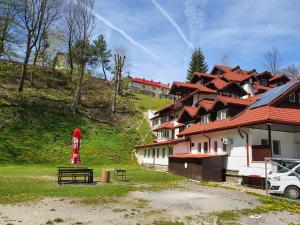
[[36, 125]]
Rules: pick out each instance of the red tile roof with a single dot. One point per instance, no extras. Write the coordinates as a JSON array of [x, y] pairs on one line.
[[265, 114], [198, 156], [218, 83], [232, 76], [206, 103], [198, 87], [150, 82], [191, 110], [166, 125], [281, 77], [260, 87], [167, 142], [234, 101], [171, 106]]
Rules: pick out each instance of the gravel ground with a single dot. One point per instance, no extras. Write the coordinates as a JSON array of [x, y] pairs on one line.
[[192, 204]]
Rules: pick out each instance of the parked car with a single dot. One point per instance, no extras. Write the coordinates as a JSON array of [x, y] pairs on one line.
[[286, 181]]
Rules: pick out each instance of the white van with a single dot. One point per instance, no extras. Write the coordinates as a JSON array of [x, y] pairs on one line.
[[286, 181]]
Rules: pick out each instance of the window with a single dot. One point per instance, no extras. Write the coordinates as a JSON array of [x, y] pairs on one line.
[[153, 153], [264, 142], [222, 114], [199, 147], [224, 148], [157, 153], [292, 97], [205, 118], [163, 153], [276, 147], [205, 147], [215, 146], [148, 153], [153, 88], [264, 82], [192, 144], [145, 153]]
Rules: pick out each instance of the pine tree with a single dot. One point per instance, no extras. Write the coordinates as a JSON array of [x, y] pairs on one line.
[[197, 64], [103, 54]]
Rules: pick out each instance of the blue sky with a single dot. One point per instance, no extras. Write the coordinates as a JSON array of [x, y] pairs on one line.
[[161, 34]]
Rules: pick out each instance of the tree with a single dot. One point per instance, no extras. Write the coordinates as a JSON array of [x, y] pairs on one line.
[[197, 64], [33, 14], [224, 60], [292, 71], [71, 29], [119, 61], [102, 54], [8, 23], [52, 13], [272, 60], [85, 23]]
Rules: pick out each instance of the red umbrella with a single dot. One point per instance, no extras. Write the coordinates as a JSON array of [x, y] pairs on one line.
[[75, 157]]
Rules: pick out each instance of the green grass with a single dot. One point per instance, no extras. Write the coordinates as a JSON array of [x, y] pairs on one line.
[[36, 125], [20, 183]]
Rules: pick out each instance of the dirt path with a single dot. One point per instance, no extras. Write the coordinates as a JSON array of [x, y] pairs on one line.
[[192, 204]]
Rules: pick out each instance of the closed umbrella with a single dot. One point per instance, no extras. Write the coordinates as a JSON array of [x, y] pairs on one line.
[[75, 157]]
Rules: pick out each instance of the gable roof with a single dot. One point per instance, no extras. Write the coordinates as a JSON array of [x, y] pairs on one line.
[[218, 83], [198, 75], [199, 87]]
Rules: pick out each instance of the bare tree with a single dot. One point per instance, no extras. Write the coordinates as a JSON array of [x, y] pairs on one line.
[[71, 28], [52, 13], [8, 12], [33, 14], [292, 71], [224, 60], [272, 60], [119, 64], [85, 23]]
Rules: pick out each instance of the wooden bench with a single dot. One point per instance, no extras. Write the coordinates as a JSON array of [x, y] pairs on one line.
[[72, 175]]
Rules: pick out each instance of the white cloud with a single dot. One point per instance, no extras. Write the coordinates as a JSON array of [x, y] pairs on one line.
[[194, 12]]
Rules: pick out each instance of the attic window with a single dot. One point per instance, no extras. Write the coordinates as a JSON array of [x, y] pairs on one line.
[[292, 97], [238, 71], [222, 114]]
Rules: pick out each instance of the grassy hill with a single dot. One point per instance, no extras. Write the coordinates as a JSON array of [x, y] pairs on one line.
[[36, 125]]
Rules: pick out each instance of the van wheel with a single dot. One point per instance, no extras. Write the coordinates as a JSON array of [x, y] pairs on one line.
[[292, 192]]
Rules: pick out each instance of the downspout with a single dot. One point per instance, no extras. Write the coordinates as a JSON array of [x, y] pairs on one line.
[[208, 140], [247, 142], [270, 139]]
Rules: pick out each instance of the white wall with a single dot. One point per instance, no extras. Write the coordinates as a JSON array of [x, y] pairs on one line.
[[160, 160], [236, 151], [287, 141]]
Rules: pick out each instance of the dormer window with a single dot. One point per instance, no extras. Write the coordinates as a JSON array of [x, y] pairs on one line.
[[238, 71], [222, 114], [292, 97], [205, 118], [264, 82]]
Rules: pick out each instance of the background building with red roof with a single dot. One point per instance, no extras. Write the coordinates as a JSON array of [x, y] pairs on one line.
[[149, 87]]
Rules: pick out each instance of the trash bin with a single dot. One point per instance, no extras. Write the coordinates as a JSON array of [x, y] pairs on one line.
[[105, 176]]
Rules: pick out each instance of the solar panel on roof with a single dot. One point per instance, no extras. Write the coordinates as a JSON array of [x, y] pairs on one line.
[[272, 94]]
